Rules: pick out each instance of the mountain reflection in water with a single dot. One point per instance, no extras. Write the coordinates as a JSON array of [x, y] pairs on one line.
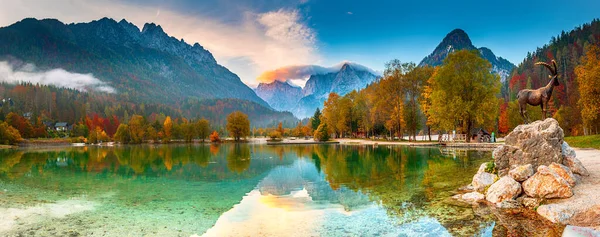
[[244, 189]]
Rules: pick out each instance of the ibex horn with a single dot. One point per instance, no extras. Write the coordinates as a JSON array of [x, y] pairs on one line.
[[547, 66], [555, 67]]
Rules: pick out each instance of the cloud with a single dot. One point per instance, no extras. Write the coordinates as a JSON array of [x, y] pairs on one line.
[[298, 74], [13, 74], [248, 45]]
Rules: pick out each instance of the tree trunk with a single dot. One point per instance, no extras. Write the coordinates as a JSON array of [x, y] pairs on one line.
[[469, 125], [429, 132]]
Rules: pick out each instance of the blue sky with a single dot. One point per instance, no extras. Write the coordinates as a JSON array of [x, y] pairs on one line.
[[250, 37]]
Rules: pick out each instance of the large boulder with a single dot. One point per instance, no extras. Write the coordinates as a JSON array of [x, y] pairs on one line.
[[521, 173], [537, 143], [482, 180], [575, 165], [567, 150], [505, 189], [546, 183], [564, 172], [570, 160]]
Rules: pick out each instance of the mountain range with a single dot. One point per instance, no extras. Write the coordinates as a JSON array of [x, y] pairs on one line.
[[136, 70], [459, 40], [147, 64], [303, 102]]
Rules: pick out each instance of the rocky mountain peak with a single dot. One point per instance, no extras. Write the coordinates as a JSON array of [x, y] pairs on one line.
[[151, 28], [459, 40]]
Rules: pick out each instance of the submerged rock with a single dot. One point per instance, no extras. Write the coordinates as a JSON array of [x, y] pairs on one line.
[[530, 202], [505, 189], [546, 183], [537, 143], [521, 173], [472, 197], [564, 172]]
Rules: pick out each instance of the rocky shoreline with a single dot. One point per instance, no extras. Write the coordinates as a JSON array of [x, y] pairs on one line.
[[536, 182]]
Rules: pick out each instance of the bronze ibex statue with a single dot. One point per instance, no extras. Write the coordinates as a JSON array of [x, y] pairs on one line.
[[540, 96]]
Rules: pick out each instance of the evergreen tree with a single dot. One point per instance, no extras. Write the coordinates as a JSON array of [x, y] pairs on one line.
[[315, 121]]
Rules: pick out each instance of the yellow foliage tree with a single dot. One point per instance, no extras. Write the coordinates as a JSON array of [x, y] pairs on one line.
[[588, 78], [168, 129], [238, 125], [464, 92]]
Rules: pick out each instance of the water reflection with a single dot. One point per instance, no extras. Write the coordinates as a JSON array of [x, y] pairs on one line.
[[313, 190]]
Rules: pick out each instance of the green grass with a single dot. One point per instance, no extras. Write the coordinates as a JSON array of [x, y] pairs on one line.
[[592, 141]]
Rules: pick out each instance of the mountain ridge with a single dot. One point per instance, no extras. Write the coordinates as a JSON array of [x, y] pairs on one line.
[[147, 64]]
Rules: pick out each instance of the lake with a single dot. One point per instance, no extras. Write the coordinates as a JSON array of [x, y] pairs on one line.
[[238, 190]]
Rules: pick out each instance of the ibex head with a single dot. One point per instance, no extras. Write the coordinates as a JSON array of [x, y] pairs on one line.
[[553, 71]]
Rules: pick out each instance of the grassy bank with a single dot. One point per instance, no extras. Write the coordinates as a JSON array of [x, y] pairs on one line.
[[592, 141]]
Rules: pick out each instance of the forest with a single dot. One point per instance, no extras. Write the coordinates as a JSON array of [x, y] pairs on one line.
[[28, 108], [575, 102]]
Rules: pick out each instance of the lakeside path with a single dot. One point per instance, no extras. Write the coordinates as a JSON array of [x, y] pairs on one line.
[[583, 209]]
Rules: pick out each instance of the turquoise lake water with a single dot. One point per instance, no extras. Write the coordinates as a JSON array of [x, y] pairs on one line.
[[237, 190]]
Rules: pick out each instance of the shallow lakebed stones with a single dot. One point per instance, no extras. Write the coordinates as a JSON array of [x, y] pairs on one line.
[[472, 197], [546, 183], [537, 143], [505, 189]]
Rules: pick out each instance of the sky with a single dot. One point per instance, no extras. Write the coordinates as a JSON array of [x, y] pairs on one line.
[[254, 37]]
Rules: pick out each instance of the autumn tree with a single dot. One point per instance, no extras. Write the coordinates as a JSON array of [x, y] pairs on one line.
[[214, 137], [414, 82], [8, 134], [464, 92], [21, 124], [167, 129], [425, 102], [280, 128], [322, 133], [361, 113], [137, 129], [331, 113], [588, 78], [298, 129], [390, 96], [202, 128], [188, 130], [123, 134], [238, 125]]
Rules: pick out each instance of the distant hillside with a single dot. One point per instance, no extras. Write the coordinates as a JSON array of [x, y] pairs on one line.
[[303, 102], [146, 64], [67, 105], [459, 40]]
